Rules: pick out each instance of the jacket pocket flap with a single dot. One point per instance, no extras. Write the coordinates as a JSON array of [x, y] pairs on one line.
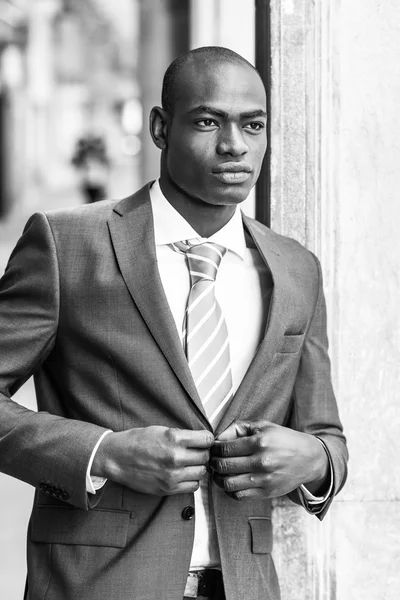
[[261, 535], [61, 525], [291, 344]]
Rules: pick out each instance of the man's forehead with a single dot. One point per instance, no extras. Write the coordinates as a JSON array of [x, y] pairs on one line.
[[203, 72], [219, 83]]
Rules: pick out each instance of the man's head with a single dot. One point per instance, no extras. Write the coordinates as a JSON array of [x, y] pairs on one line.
[[211, 128]]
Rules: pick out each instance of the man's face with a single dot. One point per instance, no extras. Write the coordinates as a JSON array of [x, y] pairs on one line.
[[217, 137]]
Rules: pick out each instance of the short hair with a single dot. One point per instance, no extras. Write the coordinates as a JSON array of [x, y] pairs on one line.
[[210, 54]]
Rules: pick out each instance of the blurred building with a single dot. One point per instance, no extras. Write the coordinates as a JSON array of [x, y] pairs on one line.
[[13, 41], [67, 69]]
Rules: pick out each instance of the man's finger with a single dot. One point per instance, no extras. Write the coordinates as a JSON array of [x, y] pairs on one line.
[[252, 493], [192, 439], [192, 457], [192, 474], [237, 483], [235, 430], [229, 466], [244, 446], [186, 487], [239, 429]]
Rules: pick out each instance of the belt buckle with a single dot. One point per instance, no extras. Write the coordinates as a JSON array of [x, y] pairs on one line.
[[192, 586]]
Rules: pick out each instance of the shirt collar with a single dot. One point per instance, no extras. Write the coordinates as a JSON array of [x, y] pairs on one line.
[[170, 226]]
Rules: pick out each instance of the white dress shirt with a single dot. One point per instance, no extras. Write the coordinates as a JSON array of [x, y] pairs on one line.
[[241, 287]]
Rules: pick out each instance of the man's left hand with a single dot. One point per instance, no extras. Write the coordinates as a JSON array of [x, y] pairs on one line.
[[263, 460]]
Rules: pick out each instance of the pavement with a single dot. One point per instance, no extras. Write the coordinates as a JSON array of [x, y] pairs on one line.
[[16, 496]]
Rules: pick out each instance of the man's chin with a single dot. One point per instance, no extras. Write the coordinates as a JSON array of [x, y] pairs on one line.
[[231, 194]]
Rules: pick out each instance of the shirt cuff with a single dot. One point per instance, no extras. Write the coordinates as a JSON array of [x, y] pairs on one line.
[[308, 497], [94, 483]]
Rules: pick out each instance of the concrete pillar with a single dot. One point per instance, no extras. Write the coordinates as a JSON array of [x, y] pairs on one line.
[[335, 181], [40, 68], [12, 100]]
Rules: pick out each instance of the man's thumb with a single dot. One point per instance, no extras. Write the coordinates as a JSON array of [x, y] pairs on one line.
[[237, 429]]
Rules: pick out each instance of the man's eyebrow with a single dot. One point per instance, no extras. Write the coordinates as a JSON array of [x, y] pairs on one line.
[[203, 108], [209, 110], [254, 114]]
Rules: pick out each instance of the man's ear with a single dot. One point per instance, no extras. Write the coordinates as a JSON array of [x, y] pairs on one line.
[[159, 126]]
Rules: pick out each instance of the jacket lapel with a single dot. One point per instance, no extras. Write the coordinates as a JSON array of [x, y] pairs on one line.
[[132, 233], [247, 391]]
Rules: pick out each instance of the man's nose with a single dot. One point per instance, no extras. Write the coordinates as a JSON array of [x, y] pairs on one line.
[[232, 142]]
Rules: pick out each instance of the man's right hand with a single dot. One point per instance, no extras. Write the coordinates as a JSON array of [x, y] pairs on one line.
[[155, 460]]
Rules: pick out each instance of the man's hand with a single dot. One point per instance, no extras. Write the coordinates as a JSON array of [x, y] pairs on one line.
[[263, 460], [155, 460]]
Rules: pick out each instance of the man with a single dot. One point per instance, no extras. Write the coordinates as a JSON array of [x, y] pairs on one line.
[[180, 359]]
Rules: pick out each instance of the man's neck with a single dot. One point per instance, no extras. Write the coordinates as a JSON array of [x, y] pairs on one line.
[[206, 219]]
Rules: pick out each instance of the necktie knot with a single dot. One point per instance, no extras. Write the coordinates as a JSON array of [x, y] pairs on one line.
[[203, 259]]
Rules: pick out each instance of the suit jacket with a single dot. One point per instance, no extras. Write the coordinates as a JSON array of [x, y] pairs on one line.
[[83, 309]]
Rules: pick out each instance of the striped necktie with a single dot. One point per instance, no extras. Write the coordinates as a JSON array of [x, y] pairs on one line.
[[205, 335]]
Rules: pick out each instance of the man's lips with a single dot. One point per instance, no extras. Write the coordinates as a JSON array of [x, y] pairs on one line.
[[232, 172], [233, 167]]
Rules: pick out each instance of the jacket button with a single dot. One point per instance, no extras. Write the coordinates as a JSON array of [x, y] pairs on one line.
[[188, 513]]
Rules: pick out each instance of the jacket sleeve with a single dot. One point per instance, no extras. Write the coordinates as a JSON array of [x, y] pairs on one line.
[[315, 409], [47, 451]]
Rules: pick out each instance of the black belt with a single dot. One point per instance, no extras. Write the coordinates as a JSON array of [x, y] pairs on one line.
[[203, 583]]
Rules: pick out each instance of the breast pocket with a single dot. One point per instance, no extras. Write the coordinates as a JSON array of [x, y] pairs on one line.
[[291, 344]]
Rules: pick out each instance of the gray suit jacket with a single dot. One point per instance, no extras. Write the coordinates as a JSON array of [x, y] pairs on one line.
[[83, 309]]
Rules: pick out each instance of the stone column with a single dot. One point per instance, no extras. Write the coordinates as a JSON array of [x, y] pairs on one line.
[[335, 181], [12, 98], [367, 182], [40, 68]]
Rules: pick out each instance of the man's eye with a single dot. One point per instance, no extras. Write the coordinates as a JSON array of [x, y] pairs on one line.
[[256, 126], [206, 123]]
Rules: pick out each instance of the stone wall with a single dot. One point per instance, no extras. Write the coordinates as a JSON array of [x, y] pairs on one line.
[[335, 182]]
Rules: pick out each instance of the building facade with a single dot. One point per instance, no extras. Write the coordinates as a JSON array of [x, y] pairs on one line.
[[67, 68], [13, 40]]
